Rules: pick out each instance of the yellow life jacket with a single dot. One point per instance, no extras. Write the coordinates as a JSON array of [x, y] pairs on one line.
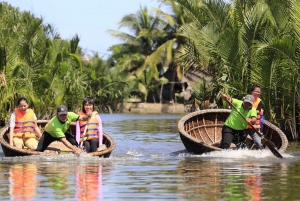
[[92, 127], [257, 124], [24, 124]]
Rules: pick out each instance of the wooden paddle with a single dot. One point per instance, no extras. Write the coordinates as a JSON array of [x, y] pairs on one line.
[[269, 143]]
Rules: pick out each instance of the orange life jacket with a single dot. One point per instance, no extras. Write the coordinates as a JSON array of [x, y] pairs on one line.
[[89, 183], [254, 186], [24, 124], [23, 181], [92, 127], [257, 124]]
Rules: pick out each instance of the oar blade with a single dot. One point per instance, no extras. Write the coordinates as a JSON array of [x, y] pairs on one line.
[[269, 144], [272, 148]]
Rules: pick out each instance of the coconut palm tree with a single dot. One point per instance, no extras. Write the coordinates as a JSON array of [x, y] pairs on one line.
[[137, 58], [246, 42], [278, 62]]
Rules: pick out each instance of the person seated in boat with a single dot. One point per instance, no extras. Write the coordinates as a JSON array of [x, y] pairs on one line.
[[89, 133], [255, 92], [235, 124], [56, 129], [23, 128]]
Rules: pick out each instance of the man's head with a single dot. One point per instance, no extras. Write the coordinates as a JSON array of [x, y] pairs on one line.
[[62, 112], [248, 101]]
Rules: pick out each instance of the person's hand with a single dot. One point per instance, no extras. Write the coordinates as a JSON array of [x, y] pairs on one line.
[[225, 97], [38, 137], [77, 151], [89, 113], [249, 120]]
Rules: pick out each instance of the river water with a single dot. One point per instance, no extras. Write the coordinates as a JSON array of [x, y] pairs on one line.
[[149, 163]]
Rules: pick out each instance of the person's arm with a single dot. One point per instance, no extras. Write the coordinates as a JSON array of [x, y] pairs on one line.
[[252, 115], [76, 117], [226, 97], [11, 134], [60, 135], [85, 117], [36, 128], [12, 123], [75, 149], [38, 131], [251, 120]]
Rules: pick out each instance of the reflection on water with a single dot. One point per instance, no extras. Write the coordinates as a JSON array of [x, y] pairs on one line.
[[253, 187], [23, 182], [199, 178], [213, 179], [150, 163], [56, 178], [54, 181], [243, 183], [188, 178], [89, 183]]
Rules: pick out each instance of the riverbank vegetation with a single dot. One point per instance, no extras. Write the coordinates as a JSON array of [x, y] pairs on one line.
[[234, 43]]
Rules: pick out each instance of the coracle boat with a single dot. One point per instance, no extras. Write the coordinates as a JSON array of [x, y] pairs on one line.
[[55, 147], [201, 131]]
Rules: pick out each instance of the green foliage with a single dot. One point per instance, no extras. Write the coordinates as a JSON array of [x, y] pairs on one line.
[[47, 70], [233, 44], [248, 42]]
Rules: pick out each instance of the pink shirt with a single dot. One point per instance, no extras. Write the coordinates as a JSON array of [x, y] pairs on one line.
[[100, 134]]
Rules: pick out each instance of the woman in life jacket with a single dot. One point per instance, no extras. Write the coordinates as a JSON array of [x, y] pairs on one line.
[[23, 126], [89, 133], [257, 104]]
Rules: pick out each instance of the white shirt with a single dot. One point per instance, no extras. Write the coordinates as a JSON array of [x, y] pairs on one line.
[[12, 120]]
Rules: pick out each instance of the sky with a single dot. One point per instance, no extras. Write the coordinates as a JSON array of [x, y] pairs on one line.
[[90, 19]]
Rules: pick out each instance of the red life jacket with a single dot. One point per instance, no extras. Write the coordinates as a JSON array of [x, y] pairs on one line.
[[92, 127], [257, 124], [24, 124]]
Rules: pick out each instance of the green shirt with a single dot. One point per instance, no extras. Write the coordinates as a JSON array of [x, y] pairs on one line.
[[57, 129], [235, 120]]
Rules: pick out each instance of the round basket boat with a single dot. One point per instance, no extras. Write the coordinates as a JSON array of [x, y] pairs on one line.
[[55, 147], [201, 131]]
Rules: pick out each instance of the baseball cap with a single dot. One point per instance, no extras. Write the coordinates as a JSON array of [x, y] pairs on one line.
[[249, 99], [62, 109]]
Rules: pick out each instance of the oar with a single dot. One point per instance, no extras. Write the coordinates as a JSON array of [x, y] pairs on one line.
[[269, 143]]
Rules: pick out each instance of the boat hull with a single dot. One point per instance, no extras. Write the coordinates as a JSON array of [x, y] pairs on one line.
[[55, 147], [201, 131]]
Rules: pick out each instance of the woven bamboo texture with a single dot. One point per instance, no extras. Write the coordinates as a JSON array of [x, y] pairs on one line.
[[201, 131], [55, 147]]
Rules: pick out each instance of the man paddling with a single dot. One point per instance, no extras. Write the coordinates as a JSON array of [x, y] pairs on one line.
[[56, 129], [235, 124]]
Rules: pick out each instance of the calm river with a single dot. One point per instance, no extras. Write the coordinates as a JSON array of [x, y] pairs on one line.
[[149, 164]]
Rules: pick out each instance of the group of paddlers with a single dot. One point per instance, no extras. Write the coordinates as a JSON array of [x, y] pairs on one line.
[[246, 118], [24, 131]]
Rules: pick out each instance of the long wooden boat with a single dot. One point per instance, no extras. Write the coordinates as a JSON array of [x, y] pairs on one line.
[[55, 147], [201, 131]]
